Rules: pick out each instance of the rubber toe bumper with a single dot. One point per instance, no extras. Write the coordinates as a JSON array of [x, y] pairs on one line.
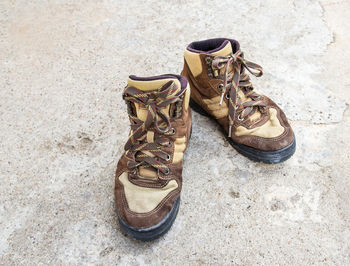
[[156, 231]]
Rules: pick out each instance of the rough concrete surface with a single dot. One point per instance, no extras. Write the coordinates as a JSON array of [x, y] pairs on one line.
[[63, 65]]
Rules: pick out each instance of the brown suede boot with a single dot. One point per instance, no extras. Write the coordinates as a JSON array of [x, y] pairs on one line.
[[149, 174], [221, 88]]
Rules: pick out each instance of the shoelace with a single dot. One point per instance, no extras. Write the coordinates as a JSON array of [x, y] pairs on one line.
[[137, 142], [239, 79]]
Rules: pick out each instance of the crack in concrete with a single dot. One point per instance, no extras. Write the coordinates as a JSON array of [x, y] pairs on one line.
[[333, 41]]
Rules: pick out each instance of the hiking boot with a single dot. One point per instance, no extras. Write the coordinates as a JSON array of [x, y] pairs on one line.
[[149, 174], [221, 88]]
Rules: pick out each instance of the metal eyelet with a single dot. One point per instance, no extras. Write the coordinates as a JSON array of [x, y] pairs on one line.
[[168, 157], [167, 171], [240, 118], [173, 131], [221, 86], [227, 96], [208, 60]]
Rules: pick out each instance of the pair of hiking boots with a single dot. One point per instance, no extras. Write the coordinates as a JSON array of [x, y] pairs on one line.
[[215, 83]]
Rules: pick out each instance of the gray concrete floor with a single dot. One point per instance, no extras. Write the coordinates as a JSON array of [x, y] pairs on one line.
[[63, 65]]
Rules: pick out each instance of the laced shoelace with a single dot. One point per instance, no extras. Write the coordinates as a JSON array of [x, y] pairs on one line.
[[137, 142], [238, 80]]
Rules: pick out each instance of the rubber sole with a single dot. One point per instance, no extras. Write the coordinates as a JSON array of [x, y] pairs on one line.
[[154, 232], [268, 157]]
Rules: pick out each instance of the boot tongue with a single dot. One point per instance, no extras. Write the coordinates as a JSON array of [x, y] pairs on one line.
[[225, 49], [148, 86]]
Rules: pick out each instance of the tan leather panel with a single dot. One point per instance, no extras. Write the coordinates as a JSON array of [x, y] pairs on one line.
[[218, 111], [143, 199], [150, 137], [271, 129], [214, 101], [242, 96], [225, 51], [151, 85], [255, 116], [141, 111], [179, 149], [148, 172], [194, 62], [187, 96]]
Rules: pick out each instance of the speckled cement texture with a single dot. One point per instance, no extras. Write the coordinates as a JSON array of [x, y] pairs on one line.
[[63, 124]]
